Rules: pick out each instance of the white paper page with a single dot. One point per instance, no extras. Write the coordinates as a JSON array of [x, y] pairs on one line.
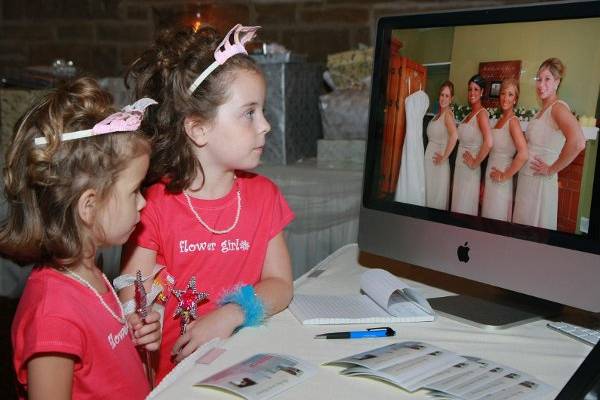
[[379, 285], [508, 378], [469, 373], [387, 355], [393, 295], [315, 309], [399, 306], [261, 376], [405, 374], [410, 372], [491, 373], [418, 299], [449, 375], [525, 390]]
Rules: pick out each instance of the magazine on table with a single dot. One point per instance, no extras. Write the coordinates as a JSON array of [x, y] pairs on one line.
[[261, 376], [387, 299], [417, 365]]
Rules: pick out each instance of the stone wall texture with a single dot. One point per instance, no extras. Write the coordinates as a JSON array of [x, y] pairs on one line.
[[103, 36]]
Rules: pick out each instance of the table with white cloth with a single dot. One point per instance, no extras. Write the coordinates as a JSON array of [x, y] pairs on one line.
[[532, 348]]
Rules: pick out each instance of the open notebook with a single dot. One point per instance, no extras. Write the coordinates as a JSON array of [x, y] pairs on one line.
[[386, 299]]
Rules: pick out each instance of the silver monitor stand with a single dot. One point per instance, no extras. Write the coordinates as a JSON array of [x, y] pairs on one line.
[[486, 314]]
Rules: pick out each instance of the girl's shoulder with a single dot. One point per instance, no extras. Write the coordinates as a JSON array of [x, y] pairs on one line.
[[449, 116], [560, 105], [47, 291]]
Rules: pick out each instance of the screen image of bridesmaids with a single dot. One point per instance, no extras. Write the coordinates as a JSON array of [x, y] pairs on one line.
[[474, 144], [442, 137], [502, 163], [554, 139]]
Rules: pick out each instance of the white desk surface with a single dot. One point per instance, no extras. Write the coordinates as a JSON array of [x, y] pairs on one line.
[[531, 348]]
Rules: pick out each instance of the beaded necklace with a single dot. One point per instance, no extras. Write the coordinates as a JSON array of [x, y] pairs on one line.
[[205, 225], [75, 275]]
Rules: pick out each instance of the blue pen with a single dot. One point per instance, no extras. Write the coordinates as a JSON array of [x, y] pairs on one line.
[[369, 333]]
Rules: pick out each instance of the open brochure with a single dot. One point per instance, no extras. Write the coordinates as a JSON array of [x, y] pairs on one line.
[[386, 299], [261, 376], [417, 365]]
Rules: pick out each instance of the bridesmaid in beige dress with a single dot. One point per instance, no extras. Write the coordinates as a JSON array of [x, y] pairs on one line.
[[474, 144], [503, 164], [442, 136], [554, 140]]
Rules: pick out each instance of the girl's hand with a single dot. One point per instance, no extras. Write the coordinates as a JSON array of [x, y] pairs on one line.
[[469, 160], [497, 176], [539, 167], [219, 323], [437, 158], [148, 335]]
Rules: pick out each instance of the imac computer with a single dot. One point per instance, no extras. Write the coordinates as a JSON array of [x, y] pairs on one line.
[[519, 212]]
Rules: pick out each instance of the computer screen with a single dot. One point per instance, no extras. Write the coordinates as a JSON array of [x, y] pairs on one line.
[[482, 154]]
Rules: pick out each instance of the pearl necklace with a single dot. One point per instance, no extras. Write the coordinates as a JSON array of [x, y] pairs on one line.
[[204, 224], [75, 275]]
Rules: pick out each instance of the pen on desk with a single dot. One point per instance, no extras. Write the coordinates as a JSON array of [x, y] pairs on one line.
[[369, 333]]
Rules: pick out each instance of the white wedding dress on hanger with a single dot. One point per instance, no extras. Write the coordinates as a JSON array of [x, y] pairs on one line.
[[411, 180]]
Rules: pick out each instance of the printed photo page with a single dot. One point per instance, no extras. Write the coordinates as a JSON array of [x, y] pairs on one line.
[[261, 376], [416, 365]]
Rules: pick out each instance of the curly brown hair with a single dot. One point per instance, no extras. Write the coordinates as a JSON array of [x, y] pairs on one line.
[[42, 184], [165, 72]]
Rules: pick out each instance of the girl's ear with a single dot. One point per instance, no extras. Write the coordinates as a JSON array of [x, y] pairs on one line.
[[196, 130], [86, 206]]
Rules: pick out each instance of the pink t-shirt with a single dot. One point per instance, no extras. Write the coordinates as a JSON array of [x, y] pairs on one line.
[[218, 261], [58, 314]]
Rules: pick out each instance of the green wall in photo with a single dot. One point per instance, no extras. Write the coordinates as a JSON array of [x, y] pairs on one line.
[[574, 42]]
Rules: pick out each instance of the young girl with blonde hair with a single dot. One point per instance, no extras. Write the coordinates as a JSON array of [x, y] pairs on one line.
[[554, 139], [216, 228], [72, 178]]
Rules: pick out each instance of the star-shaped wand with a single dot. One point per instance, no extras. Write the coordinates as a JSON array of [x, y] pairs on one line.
[[187, 304]]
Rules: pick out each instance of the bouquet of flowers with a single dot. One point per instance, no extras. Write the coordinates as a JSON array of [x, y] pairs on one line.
[[494, 112], [460, 111], [525, 114]]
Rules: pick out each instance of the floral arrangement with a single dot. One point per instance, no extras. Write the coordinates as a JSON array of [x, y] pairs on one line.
[[524, 114], [460, 111]]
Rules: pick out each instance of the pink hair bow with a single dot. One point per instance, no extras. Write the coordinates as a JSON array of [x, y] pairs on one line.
[[126, 120], [232, 44]]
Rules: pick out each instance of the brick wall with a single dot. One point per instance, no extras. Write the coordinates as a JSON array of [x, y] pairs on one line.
[[102, 36]]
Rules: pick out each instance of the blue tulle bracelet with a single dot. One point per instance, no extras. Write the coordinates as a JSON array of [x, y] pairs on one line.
[[251, 305]]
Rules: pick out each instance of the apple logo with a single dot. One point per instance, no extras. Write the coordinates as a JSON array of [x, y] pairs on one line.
[[463, 252]]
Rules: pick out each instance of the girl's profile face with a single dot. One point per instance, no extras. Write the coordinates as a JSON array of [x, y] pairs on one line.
[[474, 93], [445, 97], [508, 97], [236, 137], [545, 84], [120, 213]]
